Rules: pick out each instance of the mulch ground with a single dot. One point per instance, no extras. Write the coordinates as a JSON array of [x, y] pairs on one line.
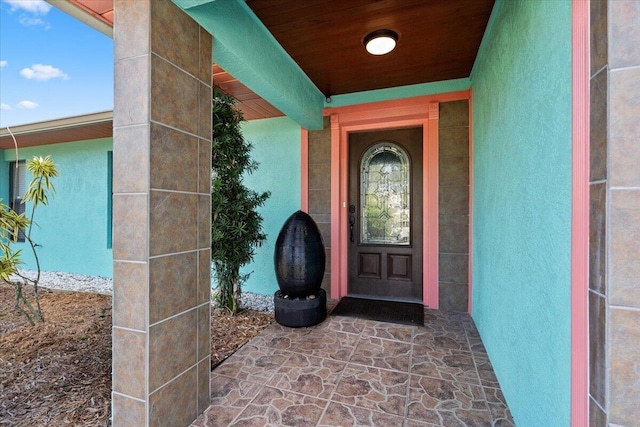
[[58, 373]]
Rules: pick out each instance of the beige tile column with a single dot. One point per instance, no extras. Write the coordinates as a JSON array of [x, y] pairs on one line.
[[623, 216], [161, 215]]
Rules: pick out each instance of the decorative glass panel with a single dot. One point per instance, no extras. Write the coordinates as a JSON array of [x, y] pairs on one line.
[[384, 195]]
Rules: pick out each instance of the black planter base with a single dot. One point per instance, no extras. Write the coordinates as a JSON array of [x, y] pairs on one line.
[[296, 313]]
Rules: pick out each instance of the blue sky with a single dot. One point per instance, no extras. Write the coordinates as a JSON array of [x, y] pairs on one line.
[[51, 64]]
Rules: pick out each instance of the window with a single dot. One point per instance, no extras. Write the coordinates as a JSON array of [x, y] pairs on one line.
[[384, 195], [17, 188]]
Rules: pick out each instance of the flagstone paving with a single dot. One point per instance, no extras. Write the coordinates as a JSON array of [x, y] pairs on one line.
[[355, 372]]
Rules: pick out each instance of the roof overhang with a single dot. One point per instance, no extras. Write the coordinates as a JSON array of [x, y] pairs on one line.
[[68, 129]]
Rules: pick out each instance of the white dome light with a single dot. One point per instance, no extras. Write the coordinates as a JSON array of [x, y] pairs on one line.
[[380, 42]]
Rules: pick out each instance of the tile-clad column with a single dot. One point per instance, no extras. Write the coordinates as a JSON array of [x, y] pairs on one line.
[[453, 221], [161, 235], [623, 215], [320, 190], [597, 213]]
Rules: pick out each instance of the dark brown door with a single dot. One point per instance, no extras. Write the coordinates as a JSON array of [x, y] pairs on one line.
[[385, 214]]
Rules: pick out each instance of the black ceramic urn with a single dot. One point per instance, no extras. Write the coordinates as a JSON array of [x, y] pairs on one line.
[[299, 257]]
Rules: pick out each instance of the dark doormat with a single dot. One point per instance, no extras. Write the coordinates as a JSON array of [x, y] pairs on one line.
[[405, 313]]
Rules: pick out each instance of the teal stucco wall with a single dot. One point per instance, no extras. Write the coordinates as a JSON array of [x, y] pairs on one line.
[[522, 205], [73, 229], [276, 146]]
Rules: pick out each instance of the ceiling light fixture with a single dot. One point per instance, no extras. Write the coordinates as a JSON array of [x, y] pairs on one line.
[[380, 42]]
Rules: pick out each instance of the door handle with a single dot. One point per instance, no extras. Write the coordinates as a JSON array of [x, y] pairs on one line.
[[352, 221]]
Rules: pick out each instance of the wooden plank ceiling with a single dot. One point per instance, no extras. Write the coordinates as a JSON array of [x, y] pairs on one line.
[[438, 40]]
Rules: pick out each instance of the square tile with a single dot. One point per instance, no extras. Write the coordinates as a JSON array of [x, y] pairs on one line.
[[175, 404], [446, 403], [332, 345], [598, 34], [338, 414], [624, 126], [597, 347], [174, 275], [598, 127], [131, 159], [174, 96], [309, 375], [598, 237], [131, 91], [388, 331], [454, 171], [500, 413], [130, 227], [172, 222], [381, 353], [129, 355], [252, 363], [128, 411], [175, 36], [453, 142], [450, 365], [453, 268], [204, 331], [485, 372], [172, 348], [204, 384], [130, 294], [174, 159], [275, 407], [624, 248], [206, 56], [133, 35], [454, 113], [349, 325], [624, 49], [204, 276], [372, 388], [624, 395]]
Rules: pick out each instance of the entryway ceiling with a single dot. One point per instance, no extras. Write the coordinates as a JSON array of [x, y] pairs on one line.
[[438, 40]]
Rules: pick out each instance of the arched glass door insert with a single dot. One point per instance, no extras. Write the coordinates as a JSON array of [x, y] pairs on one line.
[[385, 214]]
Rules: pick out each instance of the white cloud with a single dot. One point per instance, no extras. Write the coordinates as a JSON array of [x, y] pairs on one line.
[[29, 22], [43, 72], [28, 105], [5, 107], [3, 64], [39, 7]]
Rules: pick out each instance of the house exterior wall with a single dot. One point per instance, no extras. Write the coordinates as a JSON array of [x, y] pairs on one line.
[[522, 206], [73, 230], [276, 146]]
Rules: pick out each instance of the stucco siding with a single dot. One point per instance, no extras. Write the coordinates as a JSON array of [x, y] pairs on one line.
[[72, 230], [276, 146], [522, 205]]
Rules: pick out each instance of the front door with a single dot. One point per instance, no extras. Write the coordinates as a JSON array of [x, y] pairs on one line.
[[385, 214]]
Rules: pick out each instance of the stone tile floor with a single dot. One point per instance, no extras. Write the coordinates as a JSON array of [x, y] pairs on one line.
[[354, 372]]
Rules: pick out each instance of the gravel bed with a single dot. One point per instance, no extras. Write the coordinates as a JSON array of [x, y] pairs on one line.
[[104, 285]]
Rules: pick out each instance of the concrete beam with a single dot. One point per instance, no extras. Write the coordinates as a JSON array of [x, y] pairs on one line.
[[246, 49]]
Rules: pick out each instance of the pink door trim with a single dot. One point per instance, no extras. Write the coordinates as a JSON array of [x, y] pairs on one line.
[[470, 278], [418, 111], [580, 215]]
